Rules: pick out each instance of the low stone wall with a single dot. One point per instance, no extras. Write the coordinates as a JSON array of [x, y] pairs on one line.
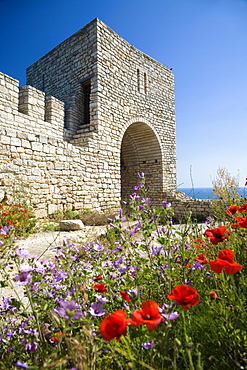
[[183, 205]]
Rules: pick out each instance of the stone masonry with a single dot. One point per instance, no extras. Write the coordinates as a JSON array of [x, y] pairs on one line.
[[95, 112]]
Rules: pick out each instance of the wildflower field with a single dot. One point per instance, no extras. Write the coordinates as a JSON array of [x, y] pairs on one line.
[[148, 296]]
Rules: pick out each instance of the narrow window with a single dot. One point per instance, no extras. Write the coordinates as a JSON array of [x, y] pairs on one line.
[[138, 80], [86, 89], [145, 82]]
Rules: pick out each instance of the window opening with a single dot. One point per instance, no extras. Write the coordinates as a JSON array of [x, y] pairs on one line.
[[86, 90], [145, 83], [138, 80]]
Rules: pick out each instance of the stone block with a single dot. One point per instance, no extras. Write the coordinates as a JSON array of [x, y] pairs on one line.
[[71, 225]]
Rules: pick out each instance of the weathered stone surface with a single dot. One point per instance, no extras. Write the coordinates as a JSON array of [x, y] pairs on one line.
[[2, 195], [71, 225]]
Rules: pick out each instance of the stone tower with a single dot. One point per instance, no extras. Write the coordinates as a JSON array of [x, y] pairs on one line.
[[95, 112], [118, 100]]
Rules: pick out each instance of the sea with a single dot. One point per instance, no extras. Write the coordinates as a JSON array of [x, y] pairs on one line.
[[207, 192]]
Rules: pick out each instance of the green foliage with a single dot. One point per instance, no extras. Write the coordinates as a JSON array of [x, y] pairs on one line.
[[225, 188]]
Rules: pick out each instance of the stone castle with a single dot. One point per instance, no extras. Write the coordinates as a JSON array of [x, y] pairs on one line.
[[95, 112]]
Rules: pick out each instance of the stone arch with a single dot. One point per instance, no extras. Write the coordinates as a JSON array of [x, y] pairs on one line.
[[141, 151]]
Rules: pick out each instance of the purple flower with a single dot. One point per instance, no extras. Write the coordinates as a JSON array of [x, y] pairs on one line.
[[147, 200], [98, 247], [23, 278], [31, 346], [25, 267], [96, 309], [134, 196], [171, 316], [5, 230], [101, 298], [141, 207], [186, 246], [148, 345], [21, 365], [21, 252], [141, 174], [69, 309], [197, 266], [61, 276], [137, 187], [1, 243], [166, 204], [156, 250]]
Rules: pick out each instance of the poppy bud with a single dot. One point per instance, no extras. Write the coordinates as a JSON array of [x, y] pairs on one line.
[[213, 295]]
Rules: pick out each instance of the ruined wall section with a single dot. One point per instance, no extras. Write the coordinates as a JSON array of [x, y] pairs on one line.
[[53, 173]]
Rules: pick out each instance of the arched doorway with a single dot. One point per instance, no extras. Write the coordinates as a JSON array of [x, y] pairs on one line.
[[141, 152]]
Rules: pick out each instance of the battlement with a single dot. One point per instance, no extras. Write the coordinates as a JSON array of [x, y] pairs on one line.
[[26, 102]]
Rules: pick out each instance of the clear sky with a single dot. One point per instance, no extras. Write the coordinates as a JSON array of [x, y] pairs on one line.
[[203, 41]]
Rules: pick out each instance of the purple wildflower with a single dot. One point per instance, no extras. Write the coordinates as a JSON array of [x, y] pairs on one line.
[[171, 316], [23, 278], [69, 309], [147, 200], [137, 187], [97, 309], [98, 247], [61, 276], [148, 345], [21, 365], [134, 196], [5, 230], [21, 252], [141, 174], [197, 266], [156, 250], [166, 204], [101, 298]]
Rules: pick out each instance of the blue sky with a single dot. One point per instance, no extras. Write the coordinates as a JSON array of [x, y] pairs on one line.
[[203, 41]]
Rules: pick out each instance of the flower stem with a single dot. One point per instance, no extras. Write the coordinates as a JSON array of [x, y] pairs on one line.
[[188, 351]]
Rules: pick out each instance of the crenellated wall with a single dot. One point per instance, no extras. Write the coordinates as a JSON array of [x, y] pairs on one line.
[[26, 108]]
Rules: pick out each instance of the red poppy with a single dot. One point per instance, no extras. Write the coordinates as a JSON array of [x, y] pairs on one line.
[[225, 262], [185, 296], [98, 278], [246, 182], [125, 296], [149, 315], [100, 288], [23, 211], [217, 235], [213, 295], [242, 222], [200, 243], [57, 337], [201, 258], [243, 208], [114, 326], [226, 254], [232, 210]]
